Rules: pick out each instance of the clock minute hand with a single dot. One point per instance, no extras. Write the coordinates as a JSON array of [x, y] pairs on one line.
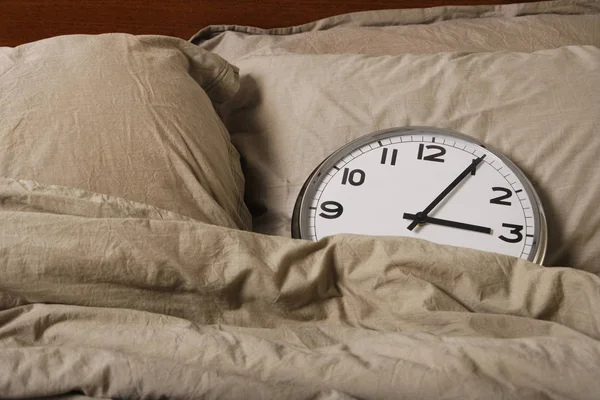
[[445, 222], [470, 169]]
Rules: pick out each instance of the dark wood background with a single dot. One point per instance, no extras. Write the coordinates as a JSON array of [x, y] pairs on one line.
[[24, 21]]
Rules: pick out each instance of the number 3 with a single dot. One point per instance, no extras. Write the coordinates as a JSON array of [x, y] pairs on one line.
[[516, 230]]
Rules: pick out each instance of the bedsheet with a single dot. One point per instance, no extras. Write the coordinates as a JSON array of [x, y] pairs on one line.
[[520, 78], [102, 297]]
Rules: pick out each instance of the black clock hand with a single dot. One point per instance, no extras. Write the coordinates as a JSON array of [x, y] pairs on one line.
[[470, 169], [437, 221]]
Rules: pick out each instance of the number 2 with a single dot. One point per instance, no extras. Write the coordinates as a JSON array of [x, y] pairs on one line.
[[501, 199]]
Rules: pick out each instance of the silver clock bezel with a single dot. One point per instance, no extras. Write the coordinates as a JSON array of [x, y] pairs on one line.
[[300, 218]]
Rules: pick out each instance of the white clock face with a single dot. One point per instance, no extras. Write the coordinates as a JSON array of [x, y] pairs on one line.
[[429, 184]]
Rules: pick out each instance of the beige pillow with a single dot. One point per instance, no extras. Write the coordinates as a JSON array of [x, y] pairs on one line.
[[124, 116], [519, 27], [291, 100], [540, 109]]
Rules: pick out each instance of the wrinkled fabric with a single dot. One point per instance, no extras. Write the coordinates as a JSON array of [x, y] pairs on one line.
[[97, 302], [128, 116], [518, 27], [518, 77], [539, 109]]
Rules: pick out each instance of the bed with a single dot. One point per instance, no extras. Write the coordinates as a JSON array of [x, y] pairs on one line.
[[151, 157]]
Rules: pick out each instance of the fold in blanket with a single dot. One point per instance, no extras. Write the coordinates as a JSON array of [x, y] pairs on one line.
[[107, 298]]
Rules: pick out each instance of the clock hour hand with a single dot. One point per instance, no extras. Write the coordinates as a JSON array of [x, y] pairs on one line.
[[469, 170], [420, 218]]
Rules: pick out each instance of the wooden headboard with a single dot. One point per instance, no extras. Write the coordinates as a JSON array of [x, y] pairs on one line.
[[23, 21]]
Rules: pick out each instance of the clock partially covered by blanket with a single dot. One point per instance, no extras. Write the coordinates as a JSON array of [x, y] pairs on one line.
[[427, 183]]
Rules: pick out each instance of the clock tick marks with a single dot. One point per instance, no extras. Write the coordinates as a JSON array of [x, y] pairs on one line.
[[400, 165]]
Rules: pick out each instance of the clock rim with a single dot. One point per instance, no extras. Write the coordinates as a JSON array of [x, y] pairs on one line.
[[300, 214]]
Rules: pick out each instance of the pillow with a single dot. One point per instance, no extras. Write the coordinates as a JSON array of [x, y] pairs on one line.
[[539, 108], [124, 116], [284, 105], [517, 27]]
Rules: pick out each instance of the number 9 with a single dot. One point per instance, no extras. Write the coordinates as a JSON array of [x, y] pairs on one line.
[[331, 209]]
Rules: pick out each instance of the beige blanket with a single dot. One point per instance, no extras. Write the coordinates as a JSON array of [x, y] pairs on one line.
[[103, 297]]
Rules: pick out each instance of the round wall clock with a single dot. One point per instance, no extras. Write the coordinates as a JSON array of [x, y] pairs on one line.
[[427, 183]]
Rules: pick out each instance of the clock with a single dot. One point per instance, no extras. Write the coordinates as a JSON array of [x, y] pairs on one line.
[[428, 183]]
